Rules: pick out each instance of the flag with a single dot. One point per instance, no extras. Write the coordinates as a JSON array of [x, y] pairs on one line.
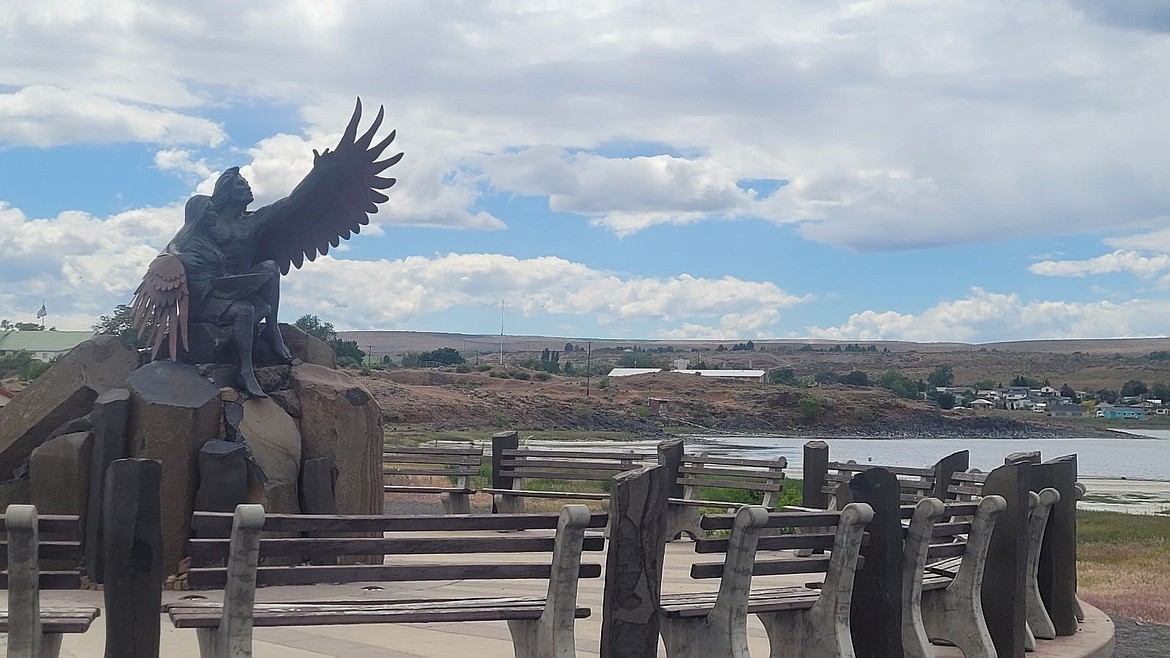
[[42, 313]]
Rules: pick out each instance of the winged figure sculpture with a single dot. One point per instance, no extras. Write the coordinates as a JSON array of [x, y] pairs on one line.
[[213, 294]]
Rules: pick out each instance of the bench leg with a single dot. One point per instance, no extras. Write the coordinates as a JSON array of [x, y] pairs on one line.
[[50, 645], [704, 637], [958, 620], [455, 503], [509, 504], [682, 519], [532, 638]]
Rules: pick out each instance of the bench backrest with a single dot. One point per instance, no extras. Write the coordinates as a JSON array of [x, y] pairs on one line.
[[402, 535], [764, 475], [58, 544], [840, 532], [518, 465], [460, 462], [965, 485], [915, 483]]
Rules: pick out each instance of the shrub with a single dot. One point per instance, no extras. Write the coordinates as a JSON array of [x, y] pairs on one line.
[[543, 376], [642, 411], [810, 408], [463, 368], [483, 368], [347, 362]]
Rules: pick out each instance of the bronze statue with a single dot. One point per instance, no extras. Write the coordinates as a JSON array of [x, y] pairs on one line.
[[215, 288]]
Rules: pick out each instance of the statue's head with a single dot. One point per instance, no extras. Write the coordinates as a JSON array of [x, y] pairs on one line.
[[231, 187]]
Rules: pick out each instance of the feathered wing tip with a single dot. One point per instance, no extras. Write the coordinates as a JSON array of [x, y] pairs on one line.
[[160, 306]]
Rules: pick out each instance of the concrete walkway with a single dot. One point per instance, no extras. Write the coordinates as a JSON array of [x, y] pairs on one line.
[[475, 639]]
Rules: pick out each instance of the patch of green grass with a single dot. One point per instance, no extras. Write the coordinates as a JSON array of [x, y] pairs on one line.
[[1117, 528]]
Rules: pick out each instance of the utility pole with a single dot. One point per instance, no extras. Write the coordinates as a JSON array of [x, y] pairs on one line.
[[588, 367], [501, 332]]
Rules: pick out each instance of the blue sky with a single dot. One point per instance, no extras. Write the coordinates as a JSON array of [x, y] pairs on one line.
[[968, 171]]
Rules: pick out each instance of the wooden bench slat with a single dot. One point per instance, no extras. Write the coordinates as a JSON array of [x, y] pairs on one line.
[[769, 543], [204, 551], [559, 475], [760, 600], [455, 460], [539, 493], [219, 524], [776, 520], [945, 550], [766, 567], [437, 472], [966, 490], [773, 474], [410, 488], [896, 470], [963, 476], [951, 529], [779, 462], [729, 484], [578, 454], [212, 577], [60, 620], [51, 580], [47, 550], [574, 465], [476, 452], [370, 613]]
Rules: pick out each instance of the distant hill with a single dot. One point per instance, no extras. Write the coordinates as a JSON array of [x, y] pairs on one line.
[[397, 342]]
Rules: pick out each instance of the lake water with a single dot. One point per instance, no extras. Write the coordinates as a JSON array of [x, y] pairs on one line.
[[1144, 456]]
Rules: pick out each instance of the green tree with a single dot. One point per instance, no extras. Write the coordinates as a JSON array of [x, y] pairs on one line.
[[942, 376], [856, 378], [121, 324], [347, 349], [784, 376], [312, 325], [810, 409], [1021, 380], [1106, 395], [946, 400], [447, 356], [1160, 391], [899, 384], [1133, 388], [1067, 391]]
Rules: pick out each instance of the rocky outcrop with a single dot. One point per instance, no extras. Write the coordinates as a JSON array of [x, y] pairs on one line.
[[275, 441], [173, 412], [63, 393], [306, 347], [58, 473], [341, 420]]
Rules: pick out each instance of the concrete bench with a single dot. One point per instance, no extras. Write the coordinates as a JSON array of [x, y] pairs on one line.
[[517, 471], [823, 478], [540, 626], [800, 621], [457, 462], [946, 553], [694, 476], [33, 631]]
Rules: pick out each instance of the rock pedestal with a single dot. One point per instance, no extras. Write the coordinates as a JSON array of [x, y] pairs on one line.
[[276, 446], [59, 474], [173, 412], [63, 393], [341, 420]]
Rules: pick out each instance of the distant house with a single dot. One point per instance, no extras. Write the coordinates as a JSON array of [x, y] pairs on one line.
[[980, 403], [1066, 411], [629, 372], [659, 406], [5, 396], [42, 345], [733, 374], [1124, 413]]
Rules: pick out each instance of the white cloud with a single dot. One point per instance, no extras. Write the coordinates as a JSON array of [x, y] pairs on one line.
[[1132, 262], [182, 161], [409, 289], [49, 116], [624, 194], [989, 317]]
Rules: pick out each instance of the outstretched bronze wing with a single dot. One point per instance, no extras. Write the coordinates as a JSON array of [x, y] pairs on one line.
[[160, 305], [335, 199]]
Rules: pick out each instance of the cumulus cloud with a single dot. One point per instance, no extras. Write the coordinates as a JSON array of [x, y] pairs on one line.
[[81, 265], [989, 317], [624, 194], [45, 116], [1131, 262], [410, 288]]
